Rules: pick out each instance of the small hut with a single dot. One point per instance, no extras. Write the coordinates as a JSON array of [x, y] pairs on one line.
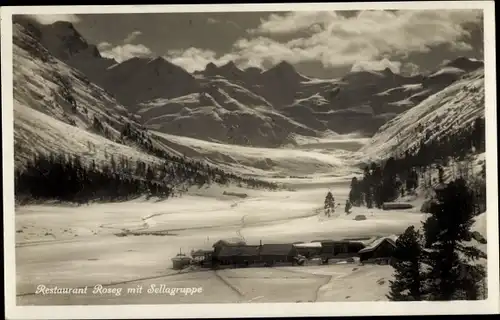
[[396, 206], [380, 250], [202, 257]]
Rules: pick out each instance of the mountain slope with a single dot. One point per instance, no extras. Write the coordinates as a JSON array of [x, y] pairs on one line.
[[224, 112], [56, 108], [141, 79], [445, 112], [59, 112], [65, 43], [251, 106]]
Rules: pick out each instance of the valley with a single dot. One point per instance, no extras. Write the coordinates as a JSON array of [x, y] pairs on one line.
[[243, 153]]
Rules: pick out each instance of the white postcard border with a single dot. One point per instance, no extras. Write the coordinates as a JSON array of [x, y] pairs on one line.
[[491, 305]]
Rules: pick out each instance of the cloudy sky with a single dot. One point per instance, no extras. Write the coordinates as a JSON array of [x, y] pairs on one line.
[[320, 44]]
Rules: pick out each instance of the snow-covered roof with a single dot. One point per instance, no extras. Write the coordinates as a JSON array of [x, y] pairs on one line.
[[276, 249], [374, 245], [229, 241], [308, 245]]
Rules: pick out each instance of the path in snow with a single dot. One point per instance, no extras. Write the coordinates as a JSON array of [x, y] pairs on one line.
[[87, 252]]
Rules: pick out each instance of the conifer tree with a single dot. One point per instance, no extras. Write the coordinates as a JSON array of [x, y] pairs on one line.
[[355, 193], [329, 205], [446, 230], [407, 262]]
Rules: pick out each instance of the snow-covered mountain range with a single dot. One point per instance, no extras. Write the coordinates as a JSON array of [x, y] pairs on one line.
[[58, 73]]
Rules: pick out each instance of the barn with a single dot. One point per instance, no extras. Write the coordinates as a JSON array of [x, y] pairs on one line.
[[379, 250], [278, 253]]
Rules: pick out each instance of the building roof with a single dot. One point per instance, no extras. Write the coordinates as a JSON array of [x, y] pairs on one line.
[[329, 240], [238, 250], [308, 245], [375, 244], [200, 252], [332, 243], [276, 249], [229, 242]]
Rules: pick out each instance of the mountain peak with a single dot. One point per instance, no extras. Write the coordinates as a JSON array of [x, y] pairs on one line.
[[210, 66], [157, 60], [285, 69], [230, 64], [464, 63], [284, 65], [63, 25], [253, 70], [65, 29], [230, 67], [388, 71]]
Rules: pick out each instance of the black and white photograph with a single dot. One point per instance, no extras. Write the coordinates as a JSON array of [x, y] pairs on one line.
[[278, 159]]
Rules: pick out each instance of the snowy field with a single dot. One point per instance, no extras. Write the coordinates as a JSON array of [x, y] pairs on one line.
[[312, 156], [130, 244], [78, 246]]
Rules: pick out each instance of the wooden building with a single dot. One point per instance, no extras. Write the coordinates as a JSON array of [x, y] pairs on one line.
[[380, 250], [227, 242], [202, 257], [278, 253], [340, 249], [308, 250], [236, 255]]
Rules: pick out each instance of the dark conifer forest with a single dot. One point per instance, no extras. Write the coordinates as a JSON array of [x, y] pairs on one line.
[[399, 175], [440, 263], [69, 178]]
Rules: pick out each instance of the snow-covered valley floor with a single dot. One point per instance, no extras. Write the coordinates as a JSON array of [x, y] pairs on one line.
[[78, 246]]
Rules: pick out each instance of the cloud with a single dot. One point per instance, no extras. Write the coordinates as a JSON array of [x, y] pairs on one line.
[[410, 69], [365, 39], [51, 18], [131, 37], [339, 40], [374, 65], [126, 51], [294, 22], [103, 46], [192, 59], [460, 46], [195, 59]]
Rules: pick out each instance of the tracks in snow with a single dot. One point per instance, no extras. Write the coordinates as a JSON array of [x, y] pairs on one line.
[[145, 229]]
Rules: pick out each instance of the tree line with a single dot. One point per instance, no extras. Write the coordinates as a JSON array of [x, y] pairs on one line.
[[67, 178], [206, 172], [399, 175], [437, 263]]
